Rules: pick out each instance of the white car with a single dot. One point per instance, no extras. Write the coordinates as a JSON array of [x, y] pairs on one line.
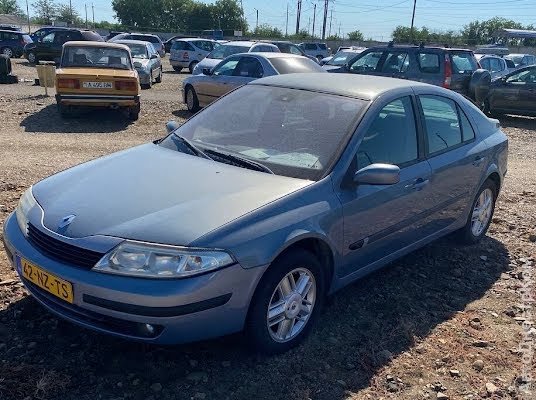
[[144, 37], [230, 48], [187, 53], [497, 66], [317, 50]]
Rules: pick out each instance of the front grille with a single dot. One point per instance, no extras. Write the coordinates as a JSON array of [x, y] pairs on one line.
[[61, 251]]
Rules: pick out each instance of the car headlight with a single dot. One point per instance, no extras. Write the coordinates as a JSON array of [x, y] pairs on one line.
[[26, 203], [161, 261]]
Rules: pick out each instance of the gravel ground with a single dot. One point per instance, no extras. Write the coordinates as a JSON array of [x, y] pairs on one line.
[[443, 322]]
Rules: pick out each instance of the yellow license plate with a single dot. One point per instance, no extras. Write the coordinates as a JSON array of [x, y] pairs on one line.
[[52, 284]]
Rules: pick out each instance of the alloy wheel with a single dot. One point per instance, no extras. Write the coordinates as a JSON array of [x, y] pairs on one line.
[[291, 305], [7, 52], [482, 212]]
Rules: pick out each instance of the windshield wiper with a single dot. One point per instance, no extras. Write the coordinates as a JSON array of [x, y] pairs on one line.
[[241, 161], [197, 151]]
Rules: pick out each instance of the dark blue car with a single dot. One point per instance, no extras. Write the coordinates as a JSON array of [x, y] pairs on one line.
[[12, 43]]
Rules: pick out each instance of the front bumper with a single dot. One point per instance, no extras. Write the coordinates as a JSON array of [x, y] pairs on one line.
[[145, 78], [97, 100], [180, 310]]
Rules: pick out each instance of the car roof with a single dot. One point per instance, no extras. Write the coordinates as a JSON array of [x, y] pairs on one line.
[[349, 85], [8, 31], [270, 55], [140, 34], [191, 39], [243, 43], [131, 41], [412, 46], [89, 43]]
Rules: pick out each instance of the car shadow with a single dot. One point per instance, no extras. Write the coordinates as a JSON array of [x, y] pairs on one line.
[[49, 120], [518, 121], [183, 114]]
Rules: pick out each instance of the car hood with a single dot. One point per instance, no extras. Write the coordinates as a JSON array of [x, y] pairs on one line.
[[205, 63], [154, 194], [332, 68]]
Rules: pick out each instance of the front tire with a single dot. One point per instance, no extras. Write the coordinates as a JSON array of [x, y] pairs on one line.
[[286, 303], [192, 102], [177, 69], [32, 58], [191, 67], [479, 218], [8, 52]]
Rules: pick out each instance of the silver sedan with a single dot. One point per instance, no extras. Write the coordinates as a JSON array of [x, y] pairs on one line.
[[237, 70], [146, 61]]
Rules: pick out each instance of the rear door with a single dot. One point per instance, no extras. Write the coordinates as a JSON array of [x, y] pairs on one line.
[[463, 64], [43, 48], [395, 64], [457, 159], [426, 66]]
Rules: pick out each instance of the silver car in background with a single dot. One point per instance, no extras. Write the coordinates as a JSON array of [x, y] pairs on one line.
[[237, 70], [230, 48], [341, 57], [186, 53], [496, 65], [145, 37], [146, 61]]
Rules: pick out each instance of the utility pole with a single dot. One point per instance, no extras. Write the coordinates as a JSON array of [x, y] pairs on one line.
[[286, 28], [340, 23], [314, 19], [28, 14], [298, 17], [325, 19], [257, 24], [85, 6], [412, 21], [70, 12], [330, 21], [93, 14], [309, 25]]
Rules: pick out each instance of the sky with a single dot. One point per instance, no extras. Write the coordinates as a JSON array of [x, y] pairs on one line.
[[376, 19]]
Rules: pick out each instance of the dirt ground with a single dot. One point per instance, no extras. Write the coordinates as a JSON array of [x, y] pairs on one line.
[[443, 322]]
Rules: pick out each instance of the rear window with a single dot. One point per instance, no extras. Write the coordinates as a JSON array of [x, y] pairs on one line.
[[428, 62], [220, 52], [96, 57], [150, 39], [178, 45], [322, 46], [291, 65], [509, 63], [92, 36], [463, 62]]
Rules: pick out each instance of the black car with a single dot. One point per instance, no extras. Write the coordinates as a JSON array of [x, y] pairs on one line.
[[12, 43], [514, 93], [40, 33], [440, 66], [50, 46], [8, 27]]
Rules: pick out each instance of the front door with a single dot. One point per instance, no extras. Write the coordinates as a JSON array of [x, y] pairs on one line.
[[211, 87], [381, 219], [517, 93]]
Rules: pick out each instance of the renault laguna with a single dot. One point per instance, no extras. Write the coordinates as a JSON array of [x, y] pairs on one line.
[[251, 212]]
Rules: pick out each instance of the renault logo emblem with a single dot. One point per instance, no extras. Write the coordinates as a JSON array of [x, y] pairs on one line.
[[66, 221]]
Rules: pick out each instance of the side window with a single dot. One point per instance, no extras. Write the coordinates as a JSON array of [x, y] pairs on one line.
[[428, 62], [495, 65], [249, 67], [188, 47], [178, 45], [509, 63], [262, 48], [441, 123], [293, 49], [468, 133], [2, 37], [367, 62], [392, 137], [48, 38], [60, 38], [396, 62], [484, 63], [226, 68], [523, 77], [310, 46]]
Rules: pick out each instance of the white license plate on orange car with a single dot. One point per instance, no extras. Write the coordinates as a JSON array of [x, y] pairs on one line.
[[98, 85]]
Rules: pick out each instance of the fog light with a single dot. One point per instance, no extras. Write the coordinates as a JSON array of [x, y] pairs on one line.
[[147, 329]]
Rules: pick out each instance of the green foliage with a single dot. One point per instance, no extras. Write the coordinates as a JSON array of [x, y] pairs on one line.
[[10, 7], [267, 31], [356, 36], [180, 15], [477, 32], [334, 38], [64, 13], [302, 35], [45, 11]]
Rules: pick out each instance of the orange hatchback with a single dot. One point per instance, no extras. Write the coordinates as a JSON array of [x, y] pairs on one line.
[[97, 74]]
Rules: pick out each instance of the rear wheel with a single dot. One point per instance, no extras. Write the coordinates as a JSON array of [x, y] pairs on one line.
[[191, 67], [134, 112], [7, 51], [5, 65], [32, 58], [192, 102], [481, 213], [287, 302], [177, 69]]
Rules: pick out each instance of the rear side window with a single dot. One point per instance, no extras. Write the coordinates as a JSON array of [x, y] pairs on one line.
[[366, 62], [9, 36], [262, 48], [468, 133], [463, 62], [509, 63], [310, 46], [203, 45], [441, 121], [178, 45], [322, 46], [293, 65], [396, 62], [428, 63]]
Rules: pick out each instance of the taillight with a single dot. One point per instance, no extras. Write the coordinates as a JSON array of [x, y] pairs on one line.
[[126, 85], [186, 55], [448, 72], [68, 83]]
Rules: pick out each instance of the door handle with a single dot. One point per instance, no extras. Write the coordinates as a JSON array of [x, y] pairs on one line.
[[418, 184], [478, 161]]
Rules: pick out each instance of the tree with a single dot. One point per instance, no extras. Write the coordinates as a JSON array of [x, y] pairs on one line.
[[10, 7], [356, 36], [45, 11], [477, 32], [334, 38], [267, 31], [65, 13], [228, 15]]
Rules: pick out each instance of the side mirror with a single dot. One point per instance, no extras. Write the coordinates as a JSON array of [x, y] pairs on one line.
[[153, 56], [171, 126], [207, 71], [378, 174]]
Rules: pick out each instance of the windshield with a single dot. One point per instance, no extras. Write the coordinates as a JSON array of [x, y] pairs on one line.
[[95, 57], [137, 50], [220, 52], [341, 58], [295, 133]]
